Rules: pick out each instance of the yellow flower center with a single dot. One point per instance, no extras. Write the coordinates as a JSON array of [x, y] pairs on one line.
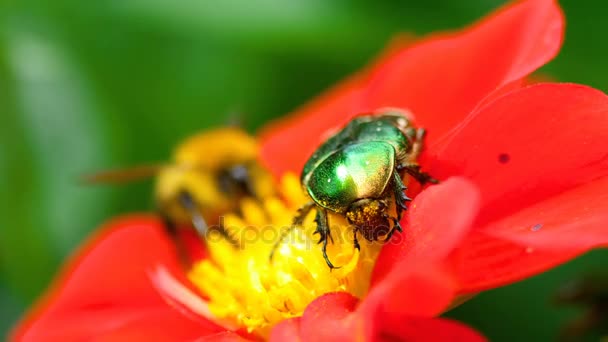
[[247, 288]]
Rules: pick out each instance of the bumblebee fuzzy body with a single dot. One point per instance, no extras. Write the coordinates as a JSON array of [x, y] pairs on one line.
[[210, 174], [215, 169]]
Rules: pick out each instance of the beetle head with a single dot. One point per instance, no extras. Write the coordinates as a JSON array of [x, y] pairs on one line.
[[369, 217]]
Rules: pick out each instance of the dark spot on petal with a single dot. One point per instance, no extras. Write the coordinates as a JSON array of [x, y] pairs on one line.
[[536, 227], [504, 158]]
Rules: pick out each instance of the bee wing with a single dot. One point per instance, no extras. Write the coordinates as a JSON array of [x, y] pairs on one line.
[[123, 175]]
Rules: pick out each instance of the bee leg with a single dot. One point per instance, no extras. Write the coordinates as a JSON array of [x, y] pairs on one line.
[[240, 173], [413, 169], [171, 230], [298, 220], [324, 233], [198, 221]]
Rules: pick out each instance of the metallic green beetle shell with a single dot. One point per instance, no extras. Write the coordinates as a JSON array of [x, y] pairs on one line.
[[358, 161], [357, 171]]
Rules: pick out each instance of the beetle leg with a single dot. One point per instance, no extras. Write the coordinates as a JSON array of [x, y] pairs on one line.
[[325, 233], [418, 143], [298, 220], [400, 196], [416, 136], [411, 134], [322, 227], [396, 226], [413, 169], [400, 199], [355, 241]]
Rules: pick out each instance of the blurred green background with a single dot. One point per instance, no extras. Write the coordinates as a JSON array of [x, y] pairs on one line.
[[87, 85]]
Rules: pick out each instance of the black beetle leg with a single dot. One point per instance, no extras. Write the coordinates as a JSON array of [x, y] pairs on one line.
[[355, 241], [400, 196], [325, 233], [396, 226], [298, 220], [413, 169], [412, 134], [418, 144]]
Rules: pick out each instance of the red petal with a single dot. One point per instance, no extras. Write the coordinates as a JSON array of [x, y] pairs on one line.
[[106, 292], [443, 78], [287, 330], [411, 290], [574, 219], [329, 318], [226, 336], [439, 218], [527, 146], [521, 150], [412, 329], [482, 262], [287, 143], [440, 80], [333, 317]]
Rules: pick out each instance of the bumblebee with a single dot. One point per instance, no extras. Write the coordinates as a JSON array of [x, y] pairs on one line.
[[210, 174]]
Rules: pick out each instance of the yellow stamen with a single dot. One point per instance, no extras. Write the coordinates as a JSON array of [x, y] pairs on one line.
[[245, 287]]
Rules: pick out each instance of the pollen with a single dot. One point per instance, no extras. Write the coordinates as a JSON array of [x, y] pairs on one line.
[[248, 289]]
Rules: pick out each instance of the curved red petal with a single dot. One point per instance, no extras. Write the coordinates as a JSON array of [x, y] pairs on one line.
[[287, 145], [444, 77], [330, 318], [529, 152], [288, 142], [437, 220], [440, 80], [106, 290], [225, 336], [422, 290], [412, 329], [577, 218], [483, 262], [287, 330], [527, 146], [334, 317]]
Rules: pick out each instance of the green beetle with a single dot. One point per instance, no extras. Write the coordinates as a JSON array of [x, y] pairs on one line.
[[358, 173]]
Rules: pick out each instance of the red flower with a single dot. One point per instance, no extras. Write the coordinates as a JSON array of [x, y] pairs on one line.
[[524, 173]]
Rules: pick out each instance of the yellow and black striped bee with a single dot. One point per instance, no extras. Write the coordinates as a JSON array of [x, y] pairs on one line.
[[209, 175]]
